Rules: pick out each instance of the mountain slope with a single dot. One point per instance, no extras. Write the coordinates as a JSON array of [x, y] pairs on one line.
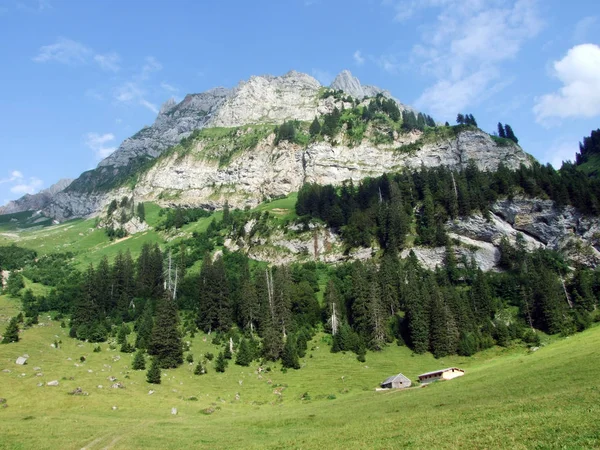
[[240, 157], [37, 201]]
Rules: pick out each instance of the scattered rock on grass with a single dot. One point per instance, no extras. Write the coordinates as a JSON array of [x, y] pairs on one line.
[[174, 411], [21, 361], [52, 383], [78, 391], [118, 386]]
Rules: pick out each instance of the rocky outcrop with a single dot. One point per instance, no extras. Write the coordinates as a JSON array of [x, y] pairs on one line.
[[37, 201], [270, 171], [194, 178], [351, 85], [173, 123]]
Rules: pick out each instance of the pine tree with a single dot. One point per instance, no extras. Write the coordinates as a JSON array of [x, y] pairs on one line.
[[510, 134], [139, 362], [501, 132], [244, 355], [144, 324], [165, 342], [221, 363], [460, 119], [426, 225], [11, 334], [289, 357], [315, 128], [153, 375], [141, 211]]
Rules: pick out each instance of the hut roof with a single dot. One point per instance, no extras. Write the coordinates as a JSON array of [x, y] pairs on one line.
[[435, 372], [393, 378]]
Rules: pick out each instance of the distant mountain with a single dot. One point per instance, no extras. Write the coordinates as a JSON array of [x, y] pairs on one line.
[[37, 201]]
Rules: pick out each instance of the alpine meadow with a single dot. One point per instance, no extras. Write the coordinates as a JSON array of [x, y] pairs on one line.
[[301, 260]]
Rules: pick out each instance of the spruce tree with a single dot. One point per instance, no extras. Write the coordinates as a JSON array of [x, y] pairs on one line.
[[289, 357], [144, 324], [510, 134], [141, 211], [244, 355], [315, 128], [165, 343], [153, 374], [501, 132], [139, 362], [11, 334], [221, 363]]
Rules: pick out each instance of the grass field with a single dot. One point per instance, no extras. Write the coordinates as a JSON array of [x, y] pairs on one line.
[[509, 398]]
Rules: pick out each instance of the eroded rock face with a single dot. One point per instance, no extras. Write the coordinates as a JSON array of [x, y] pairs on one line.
[[269, 171], [174, 122], [266, 171]]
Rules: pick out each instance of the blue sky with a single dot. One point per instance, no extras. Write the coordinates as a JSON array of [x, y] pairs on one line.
[[78, 77]]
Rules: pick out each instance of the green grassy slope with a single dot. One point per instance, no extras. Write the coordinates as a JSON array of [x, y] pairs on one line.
[[90, 244], [509, 398]]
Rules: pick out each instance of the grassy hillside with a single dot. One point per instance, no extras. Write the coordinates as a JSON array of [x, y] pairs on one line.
[[90, 244], [509, 398]]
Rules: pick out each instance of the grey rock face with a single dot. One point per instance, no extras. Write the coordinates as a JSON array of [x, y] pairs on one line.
[[174, 122], [348, 83], [37, 201]]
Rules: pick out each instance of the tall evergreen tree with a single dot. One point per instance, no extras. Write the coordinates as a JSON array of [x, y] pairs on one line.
[[289, 358], [144, 326], [11, 334], [510, 134], [244, 354], [315, 128], [139, 362], [165, 343], [501, 131]]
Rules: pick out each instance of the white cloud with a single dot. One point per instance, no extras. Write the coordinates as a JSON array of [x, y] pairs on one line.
[[583, 28], [99, 144], [35, 6], [464, 47], [15, 175], [389, 63], [579, 72], [169, 88], [108, 62], [358, 58], [324, 77], [151, 106], [30, 187], [65, 51], [131, 92], [151, 65], [561, 150]]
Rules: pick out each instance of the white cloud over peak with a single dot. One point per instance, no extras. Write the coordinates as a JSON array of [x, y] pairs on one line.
[[579, 72], [358, 58], [464, 47], [99, 143], [65, 51], [20, 184], [31, 186]]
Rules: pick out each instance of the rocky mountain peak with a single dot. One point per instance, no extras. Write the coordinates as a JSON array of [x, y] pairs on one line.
[[167, 106]]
